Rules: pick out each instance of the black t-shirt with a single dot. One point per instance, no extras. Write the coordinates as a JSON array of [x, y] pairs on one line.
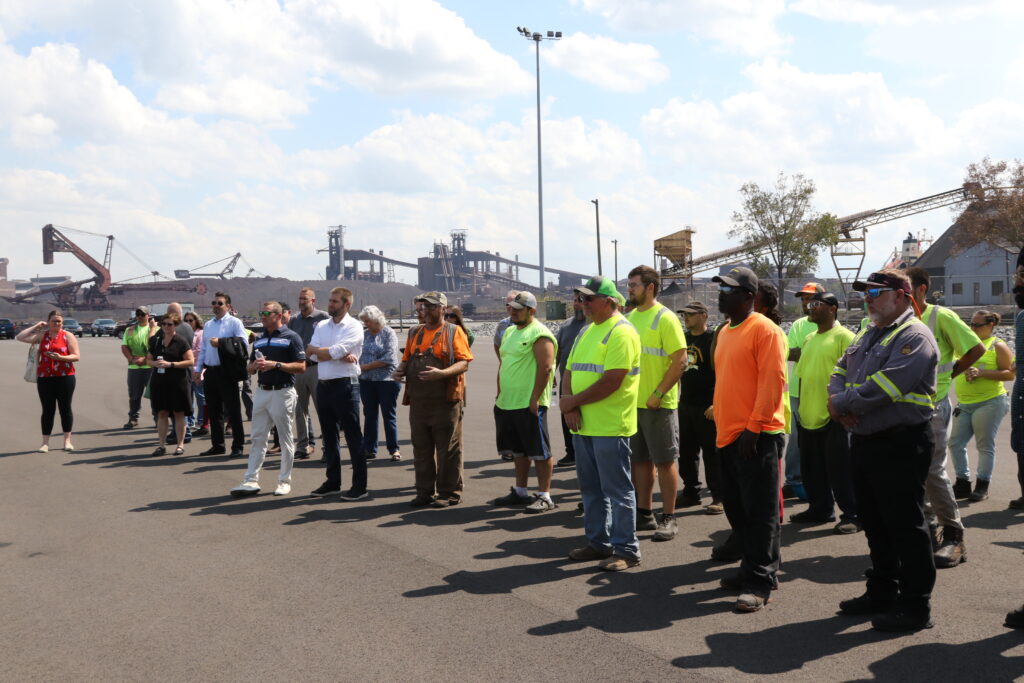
[[172, 353], [697, 386], [281, 346]]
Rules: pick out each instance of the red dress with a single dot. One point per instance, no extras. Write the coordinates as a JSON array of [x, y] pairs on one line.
[[49, 367]]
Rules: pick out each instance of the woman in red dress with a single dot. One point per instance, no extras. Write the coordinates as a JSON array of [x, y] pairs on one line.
[[55, 381]]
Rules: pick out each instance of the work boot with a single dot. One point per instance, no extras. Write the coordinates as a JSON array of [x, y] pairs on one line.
[[980, 491], [935, 531], [961, 488], [645, 520], [952, 551]]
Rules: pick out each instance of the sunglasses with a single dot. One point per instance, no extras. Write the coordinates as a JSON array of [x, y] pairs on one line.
[[815, 304], [216, 303], [876, 292], [167, 325], [984, 324], [450, 316], [267, 314], [728, 289]]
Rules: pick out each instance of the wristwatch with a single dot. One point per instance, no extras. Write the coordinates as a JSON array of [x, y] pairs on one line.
[[277, 365], [659, 394]]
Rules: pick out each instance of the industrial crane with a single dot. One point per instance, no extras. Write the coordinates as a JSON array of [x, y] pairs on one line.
[[222, 274]]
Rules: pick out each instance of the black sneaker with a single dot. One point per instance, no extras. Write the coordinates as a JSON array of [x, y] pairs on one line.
[[512, 498], [808, 517], [371, 456], [202, 431], [130, 424], [567, 461], [961, 488], [899, 620], [237, 453], [865, 604], [325, 490], [354, 494]]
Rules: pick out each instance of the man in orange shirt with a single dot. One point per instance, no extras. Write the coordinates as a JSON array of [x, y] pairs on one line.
[[433, 366], [750, 366]]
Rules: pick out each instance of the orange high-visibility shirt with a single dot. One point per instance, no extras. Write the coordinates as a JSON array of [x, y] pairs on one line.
[[750, 379]]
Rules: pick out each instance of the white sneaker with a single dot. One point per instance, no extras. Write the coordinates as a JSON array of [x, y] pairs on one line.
[[283, 489], [44, 448], [248, 488]]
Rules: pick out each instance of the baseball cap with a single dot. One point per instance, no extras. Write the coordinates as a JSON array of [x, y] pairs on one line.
[[524, 300], [693, 307], [811, 288], [436, 298], [141, 309], [827, 297], [600, 286], [882, 280], [619, 298], [738, 277]]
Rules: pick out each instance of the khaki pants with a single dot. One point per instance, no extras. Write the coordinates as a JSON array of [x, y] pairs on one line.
[[437, 447]]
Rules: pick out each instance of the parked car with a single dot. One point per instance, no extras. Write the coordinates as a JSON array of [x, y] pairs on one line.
[[73, 326], [7, 328], [103, 326]]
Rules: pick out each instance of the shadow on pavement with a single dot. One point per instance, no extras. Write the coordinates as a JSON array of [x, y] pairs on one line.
[[994, 519], [783, 648], [978, 660]]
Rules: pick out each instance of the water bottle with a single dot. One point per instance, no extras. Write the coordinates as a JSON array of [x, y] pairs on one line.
[[160, 371]]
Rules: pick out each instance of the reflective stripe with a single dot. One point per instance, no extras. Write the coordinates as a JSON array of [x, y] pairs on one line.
[[886, 384], [587, 367], [608, 336], [917, 399], [652, 351], [839, 371], [907, 323], [654, 324], [933, 319], [634, 371], [945, 368]]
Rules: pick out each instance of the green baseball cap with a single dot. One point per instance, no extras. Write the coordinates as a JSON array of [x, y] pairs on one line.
[[599, 286]]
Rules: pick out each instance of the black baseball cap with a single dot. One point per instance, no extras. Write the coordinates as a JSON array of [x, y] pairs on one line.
[[882, 280], [738, 277], [827, 297], [693, 307]]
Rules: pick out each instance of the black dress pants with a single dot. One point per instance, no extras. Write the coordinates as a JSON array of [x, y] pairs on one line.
[[826, 470], [223, 401]]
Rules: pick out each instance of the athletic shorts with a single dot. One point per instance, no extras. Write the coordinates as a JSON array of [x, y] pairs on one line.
[[657, 436], [520, 433]]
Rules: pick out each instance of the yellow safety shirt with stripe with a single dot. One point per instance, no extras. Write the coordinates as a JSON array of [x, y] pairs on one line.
[[661, 335], [611, 345], [954, 338], [886, 377], [981, 389]]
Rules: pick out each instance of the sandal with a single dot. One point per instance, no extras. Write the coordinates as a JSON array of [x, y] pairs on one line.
[[396, 456], [179, 451], [160, 450]]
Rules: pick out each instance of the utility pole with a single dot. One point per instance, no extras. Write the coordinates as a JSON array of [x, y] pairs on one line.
[[536, 37], [616, 243], [597, 221]]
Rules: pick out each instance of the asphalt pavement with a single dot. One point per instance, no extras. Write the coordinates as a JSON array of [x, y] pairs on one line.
[[120, 566]]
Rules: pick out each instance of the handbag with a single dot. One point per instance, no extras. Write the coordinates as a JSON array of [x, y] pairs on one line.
[[32, 364]]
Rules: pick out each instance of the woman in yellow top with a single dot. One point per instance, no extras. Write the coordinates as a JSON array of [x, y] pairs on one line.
[[983, 403]]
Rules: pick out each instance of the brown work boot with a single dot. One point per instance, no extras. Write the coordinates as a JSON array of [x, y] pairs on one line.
[[587, 553], [952, 551]]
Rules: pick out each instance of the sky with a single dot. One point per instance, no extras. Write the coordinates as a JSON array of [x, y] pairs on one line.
[[192, 129]]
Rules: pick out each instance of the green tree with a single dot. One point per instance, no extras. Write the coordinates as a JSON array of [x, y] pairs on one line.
[[996, 211], [781, 227]]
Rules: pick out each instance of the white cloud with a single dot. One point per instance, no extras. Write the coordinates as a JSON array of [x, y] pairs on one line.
[[743, 26], [622, 67], [903, 12]]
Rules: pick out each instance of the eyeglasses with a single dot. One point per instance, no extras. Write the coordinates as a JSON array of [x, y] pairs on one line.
[[267, 314], [815, 304], [984, 324], [876, 292], [167, 325], [216, 303]]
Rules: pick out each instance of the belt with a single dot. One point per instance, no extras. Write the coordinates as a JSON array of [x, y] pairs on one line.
[[338, 380], [310, 363], [275, 387], [891, 431]]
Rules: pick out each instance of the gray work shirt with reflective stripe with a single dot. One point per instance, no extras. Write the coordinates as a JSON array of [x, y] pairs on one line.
[[886, 377]]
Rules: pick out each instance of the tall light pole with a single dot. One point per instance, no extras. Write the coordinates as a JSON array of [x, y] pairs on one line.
[[597, 221], [536, 37], [616, 243]]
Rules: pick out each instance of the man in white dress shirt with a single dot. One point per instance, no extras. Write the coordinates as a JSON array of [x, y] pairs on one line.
[[222, 392], [336, 345]]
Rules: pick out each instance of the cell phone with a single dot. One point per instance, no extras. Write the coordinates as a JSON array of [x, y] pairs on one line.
[[956, 411]]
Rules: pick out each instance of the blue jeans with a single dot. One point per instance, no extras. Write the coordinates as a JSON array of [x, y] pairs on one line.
[[338, 407], [609, 500], [980, 420], [379, 398], [793, 474]]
